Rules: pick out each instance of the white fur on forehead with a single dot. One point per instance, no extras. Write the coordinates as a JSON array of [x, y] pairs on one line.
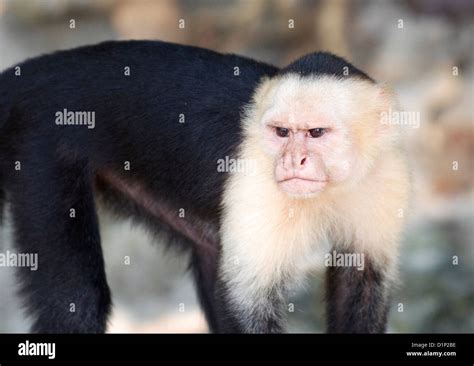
[[336, 100]]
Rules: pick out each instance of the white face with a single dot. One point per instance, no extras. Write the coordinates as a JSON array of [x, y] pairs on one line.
[[310, 129]]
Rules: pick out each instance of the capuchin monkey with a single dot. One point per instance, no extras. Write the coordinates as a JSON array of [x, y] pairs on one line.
[[143, 126]]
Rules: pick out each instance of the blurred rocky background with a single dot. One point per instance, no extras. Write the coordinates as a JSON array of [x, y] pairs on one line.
[[423, 48]]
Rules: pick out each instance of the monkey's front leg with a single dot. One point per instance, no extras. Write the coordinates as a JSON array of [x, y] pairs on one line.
[[357, 300], [248, 300]]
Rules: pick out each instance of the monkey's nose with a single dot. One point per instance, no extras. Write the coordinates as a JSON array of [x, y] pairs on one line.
[[303, 161]]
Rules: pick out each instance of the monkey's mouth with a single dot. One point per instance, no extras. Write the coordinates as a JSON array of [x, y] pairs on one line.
[[298, 186], [304, 179]]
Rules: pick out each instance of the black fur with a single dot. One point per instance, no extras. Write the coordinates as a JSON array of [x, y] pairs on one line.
[[172, 166], [137, 120], [356, 300], [323, 63]]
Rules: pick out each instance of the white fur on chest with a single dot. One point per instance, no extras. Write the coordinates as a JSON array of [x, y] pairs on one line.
[[267, 238]]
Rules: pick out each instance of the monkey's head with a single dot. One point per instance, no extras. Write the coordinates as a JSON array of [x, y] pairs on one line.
[[322, 129]]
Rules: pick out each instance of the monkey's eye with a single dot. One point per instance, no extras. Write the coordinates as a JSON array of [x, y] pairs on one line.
[[317, 132], [282, 132]]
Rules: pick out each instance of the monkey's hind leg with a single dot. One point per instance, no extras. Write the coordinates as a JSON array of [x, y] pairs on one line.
[[54, 218]]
